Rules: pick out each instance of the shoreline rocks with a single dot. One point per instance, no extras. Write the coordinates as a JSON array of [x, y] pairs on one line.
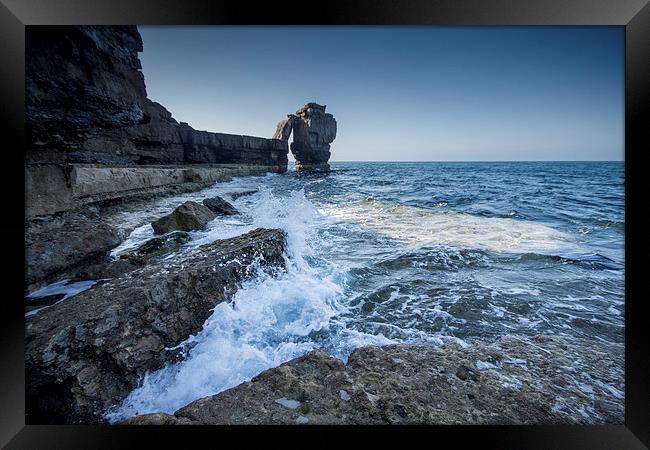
[[55, 188], [219, 206], [510, 381], [86, 353], [93, 134], [157, 247], [187, 217], [236, 195]]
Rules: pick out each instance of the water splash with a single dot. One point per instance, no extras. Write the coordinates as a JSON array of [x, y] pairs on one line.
[[268, 321]]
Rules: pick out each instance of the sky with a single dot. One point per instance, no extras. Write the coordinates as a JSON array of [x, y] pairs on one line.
[[402, 93]]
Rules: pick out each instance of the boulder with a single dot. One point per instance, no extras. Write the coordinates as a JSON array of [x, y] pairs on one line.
[[219, 206], [86, 353], [187, 217], [510, 381], [156, 247]]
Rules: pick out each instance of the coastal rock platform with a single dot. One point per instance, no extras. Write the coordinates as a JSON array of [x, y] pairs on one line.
[[540, 380]]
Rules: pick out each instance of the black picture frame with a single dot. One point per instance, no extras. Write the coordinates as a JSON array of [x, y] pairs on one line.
[[634, 15]]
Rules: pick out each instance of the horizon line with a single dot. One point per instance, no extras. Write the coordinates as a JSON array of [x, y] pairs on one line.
[[483, 160]]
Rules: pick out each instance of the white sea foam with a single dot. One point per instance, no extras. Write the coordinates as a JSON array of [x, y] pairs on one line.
[[137, 237], [421, 226]]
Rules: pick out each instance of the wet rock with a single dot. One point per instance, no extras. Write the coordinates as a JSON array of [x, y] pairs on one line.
[[107, 268], [85, 354], [307, 380], [403, 384], [236, 195], [154, 419], [39, 302], [219, 206], [466, 374], [156, 247], [64, 243], [187, 217]]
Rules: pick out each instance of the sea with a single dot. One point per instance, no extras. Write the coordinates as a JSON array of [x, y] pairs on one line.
[[403, 252]]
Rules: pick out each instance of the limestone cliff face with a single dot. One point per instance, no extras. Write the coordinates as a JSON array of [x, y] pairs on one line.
[[86, 102], [81, 82], [313, 132]]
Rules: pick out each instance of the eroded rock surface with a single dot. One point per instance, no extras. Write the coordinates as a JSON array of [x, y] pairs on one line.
[[219, 206], [85, 354], [313, 132], [187, 217], [236, 195], [58, 244], [157, 247], [542, 380]]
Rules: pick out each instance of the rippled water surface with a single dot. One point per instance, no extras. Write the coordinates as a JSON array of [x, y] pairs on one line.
[[405, 252]]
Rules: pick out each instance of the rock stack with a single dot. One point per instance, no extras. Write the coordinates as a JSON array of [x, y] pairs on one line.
[[313, 132]]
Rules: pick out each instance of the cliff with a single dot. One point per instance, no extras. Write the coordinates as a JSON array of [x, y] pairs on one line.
[[87, 107]]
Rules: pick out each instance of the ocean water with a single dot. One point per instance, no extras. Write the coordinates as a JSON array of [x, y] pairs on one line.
[[404, 252]]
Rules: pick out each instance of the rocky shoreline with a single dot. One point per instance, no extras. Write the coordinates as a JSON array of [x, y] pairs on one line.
[[93, 135], [85, 354], [97, 146], [509, 382]]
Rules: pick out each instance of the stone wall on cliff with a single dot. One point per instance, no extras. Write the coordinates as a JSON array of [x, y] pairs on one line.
[[86, 102]]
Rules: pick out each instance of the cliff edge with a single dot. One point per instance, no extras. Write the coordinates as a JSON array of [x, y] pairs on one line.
[[87, 108]]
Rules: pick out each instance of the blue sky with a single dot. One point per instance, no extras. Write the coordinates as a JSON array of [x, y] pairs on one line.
[[403, 93]]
